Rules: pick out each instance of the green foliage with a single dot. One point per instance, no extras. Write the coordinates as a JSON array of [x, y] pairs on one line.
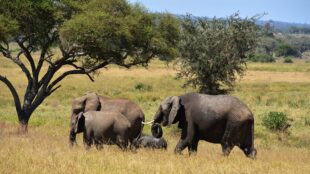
[[127, 34], [33, 19], [143, 87], [287, 50], [264, 58], [8, 27], [213, 52], [307, 121], [288, 60], [276, 121], [84, 34]]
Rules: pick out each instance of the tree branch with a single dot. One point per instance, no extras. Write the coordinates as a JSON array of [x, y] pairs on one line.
[[27, 55], [138, 62], [77, 71], [14, 93]]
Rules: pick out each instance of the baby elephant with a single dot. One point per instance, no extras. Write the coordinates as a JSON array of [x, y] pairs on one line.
[[103, 127], [148, 141]]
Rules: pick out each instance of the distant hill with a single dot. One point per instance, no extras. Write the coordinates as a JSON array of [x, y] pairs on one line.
[[277, 25], [283, 26]]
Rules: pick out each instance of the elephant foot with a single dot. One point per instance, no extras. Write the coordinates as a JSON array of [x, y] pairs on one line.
[[86, 146], [99, 146], [226, 150], [192, 153], [177, 151], [252, 154]]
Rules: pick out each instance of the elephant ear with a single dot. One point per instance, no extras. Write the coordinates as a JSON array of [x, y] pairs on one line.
[[175, 106], [91, 102], [79, 123]]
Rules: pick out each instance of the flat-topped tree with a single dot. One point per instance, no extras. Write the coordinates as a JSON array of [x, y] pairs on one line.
[[89, 35]]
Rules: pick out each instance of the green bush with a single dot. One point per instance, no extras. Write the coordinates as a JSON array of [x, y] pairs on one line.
[[287, 50], [307, 121], [288, 60], [143, 87], [261, 58], [276, 121]]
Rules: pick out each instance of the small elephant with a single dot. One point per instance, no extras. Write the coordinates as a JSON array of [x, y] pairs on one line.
[[103, 127], [214, 118], [93, 102], [148, 141]]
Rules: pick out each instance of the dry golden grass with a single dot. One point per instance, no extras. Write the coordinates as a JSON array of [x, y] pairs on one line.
[[45, 149], [42, 152]]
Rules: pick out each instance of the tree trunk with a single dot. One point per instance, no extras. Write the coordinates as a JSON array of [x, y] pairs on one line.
[[23, 127], [23, 123]]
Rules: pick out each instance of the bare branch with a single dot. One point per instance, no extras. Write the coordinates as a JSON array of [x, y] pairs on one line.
[[137, 62], [53, 90], [20, 64], [27, 54], [77, 71], [14, 93]]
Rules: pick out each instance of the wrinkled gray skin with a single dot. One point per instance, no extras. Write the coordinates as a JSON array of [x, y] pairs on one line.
[[93, 102], [214, 118], [103, 127], [148, 141]]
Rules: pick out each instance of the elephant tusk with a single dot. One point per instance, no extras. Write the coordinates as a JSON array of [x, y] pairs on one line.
[[150, 122]]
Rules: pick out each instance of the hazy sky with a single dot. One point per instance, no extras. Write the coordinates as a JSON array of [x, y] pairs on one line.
[[279, 10]]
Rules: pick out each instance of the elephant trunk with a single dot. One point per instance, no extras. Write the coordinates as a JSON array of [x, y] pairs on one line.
[[158, 116], [157, 131]]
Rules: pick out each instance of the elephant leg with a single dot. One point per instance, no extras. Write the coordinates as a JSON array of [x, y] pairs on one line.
[[226, 149], [192, 148], [187, 137], [87, 139], [227, 140], [249, 151], [121, 142], [99, 144], [247, 146]]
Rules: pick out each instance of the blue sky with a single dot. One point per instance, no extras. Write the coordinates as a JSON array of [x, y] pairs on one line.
[[280, 10]]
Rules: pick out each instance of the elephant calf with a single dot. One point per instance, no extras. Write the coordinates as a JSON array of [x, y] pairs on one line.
[[148, 141], [103, 127]]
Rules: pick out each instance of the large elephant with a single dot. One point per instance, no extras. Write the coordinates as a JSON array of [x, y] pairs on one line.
[[214, 118], [93, 102], [103, 127]]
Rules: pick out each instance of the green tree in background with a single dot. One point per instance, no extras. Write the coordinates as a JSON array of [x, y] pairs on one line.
[[89, 34], [214, 51]]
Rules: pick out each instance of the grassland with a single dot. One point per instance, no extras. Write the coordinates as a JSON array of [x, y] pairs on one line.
[[266, 87]]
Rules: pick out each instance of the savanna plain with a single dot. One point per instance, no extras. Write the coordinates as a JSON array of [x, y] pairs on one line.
[[265, 87]]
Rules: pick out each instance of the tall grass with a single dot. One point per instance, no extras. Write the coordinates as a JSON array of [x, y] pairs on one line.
[[45, 149]]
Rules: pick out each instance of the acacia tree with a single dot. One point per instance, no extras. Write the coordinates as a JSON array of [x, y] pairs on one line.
[[89, 34], [214, 51]]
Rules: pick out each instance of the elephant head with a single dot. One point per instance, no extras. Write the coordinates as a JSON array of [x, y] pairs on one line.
[[166, 114], [88, 102]]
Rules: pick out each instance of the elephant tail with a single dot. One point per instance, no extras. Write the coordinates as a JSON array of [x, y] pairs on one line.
[[72, 138]]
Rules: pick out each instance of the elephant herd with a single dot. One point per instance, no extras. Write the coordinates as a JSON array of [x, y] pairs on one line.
[[220, 119]]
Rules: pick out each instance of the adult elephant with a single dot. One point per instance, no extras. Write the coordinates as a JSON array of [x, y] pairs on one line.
[[93, 102], [215, 118]]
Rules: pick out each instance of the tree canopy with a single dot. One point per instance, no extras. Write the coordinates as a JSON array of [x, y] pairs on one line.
[[214, 51], [89, 34]]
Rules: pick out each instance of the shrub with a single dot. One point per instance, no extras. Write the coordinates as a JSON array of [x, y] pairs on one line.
[[276, 121], [288, 60], [261, 58], [143, 87], [307, 121], [287, 50]]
